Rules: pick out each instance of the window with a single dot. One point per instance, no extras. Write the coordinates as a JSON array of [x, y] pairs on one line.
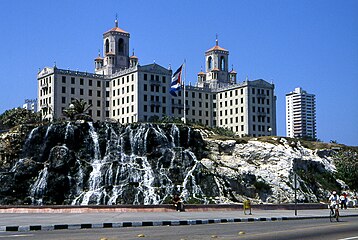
[[72, 90], [193, 103], [145, 108], [81, 91], [163, 79], [164, 89], [81, 81], [98, 84], [145, 98], [98, 103], [199, 95], [145, 76], [242, 91], [222, 63], [90, 92], [253, 91], [63, 79], [253, 99], [193, 94], [107, 45], [98, 93], [63, 89], [121, 46], [98, 113], [209, 62], [72, 80], [63, 99], [90, 82]]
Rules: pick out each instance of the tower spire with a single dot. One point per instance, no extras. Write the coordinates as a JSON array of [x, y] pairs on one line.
[[217, 41], [116, 21]]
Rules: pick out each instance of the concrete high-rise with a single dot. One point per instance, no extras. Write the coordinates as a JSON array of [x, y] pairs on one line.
[[301, 114]]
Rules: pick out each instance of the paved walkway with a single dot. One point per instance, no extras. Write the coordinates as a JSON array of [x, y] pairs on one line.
[[53, 221]]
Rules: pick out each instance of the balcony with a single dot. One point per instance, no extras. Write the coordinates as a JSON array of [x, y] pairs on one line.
[[44, 106], [44, 86], [155, 82], [180, 106], [155, 103], [261, 114]]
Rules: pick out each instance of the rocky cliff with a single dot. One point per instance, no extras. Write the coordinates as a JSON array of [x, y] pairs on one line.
[[108, 163]]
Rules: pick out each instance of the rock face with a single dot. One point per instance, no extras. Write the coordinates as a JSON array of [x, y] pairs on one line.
[[108, 163]]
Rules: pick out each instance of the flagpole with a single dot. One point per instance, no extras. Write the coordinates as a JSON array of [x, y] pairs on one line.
[[184, 91]]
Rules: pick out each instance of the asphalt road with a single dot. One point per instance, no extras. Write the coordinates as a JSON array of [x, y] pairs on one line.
[[312, 229]]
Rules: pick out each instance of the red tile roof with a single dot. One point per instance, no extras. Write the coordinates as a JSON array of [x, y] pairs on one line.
[[217, 48], [117, 29]]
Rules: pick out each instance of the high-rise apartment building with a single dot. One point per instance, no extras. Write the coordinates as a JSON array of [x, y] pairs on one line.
[[123, 90], [301, 114]]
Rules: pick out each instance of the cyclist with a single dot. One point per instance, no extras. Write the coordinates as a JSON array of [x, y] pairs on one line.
[[334, 202]]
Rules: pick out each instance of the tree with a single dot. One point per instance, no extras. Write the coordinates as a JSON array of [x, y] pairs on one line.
[[347, 167], [16, 116], [78, 110]]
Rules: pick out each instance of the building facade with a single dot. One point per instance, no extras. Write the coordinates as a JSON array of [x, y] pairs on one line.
[[301, 114], [121, 89]]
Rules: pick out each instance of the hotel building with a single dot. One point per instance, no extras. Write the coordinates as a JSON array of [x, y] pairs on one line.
[[121, 89]]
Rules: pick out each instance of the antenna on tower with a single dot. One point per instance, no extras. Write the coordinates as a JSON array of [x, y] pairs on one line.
[[217, 41]]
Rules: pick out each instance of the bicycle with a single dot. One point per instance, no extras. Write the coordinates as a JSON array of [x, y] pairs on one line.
[[334, 213]]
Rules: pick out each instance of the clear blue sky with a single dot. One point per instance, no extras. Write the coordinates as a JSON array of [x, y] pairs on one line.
[[308, 44]]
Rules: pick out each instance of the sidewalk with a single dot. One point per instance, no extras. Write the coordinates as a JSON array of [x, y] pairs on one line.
[[53, 221]]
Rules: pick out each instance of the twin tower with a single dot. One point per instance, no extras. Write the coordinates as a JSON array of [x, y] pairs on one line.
[[116, 58]]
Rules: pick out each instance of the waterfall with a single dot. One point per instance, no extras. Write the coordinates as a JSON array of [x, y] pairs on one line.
[[195, 189], [39, 187], [48, 131], [69, 131], [175, 136], [94, 137]]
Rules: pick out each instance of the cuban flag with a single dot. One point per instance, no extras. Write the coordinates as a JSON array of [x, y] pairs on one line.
[[176, 81]]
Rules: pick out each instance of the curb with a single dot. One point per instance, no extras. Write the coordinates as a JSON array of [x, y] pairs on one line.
[[151, 223]]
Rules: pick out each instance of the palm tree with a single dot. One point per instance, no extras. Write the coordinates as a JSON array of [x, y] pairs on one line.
[[78, 110]]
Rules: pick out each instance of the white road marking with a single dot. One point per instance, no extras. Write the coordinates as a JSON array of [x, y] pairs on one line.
[[16, 235], [349, 238]]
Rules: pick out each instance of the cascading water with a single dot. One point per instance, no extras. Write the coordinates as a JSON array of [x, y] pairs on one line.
[[39, 187], [110, 164]]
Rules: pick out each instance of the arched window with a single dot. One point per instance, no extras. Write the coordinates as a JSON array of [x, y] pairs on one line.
[[107, 45], [222, 63], [120, 46], [210, 62]]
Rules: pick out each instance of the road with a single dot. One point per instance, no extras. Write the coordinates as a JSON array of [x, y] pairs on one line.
[[311, 229]]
